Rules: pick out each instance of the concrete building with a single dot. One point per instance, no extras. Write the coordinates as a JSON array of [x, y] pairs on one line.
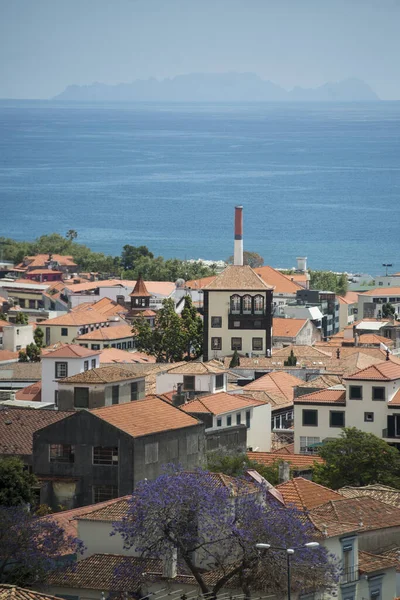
[[320, 307], [15, 337], [119, 336], [92, 456], [193, 379], [298, 332], [70, 326], [370, 303]]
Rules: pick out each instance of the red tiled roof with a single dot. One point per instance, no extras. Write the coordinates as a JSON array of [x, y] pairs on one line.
[[296, 461], [327, 396], [287, 328], [236, 278], [282, 283], [31, 393], [140, 289], [115, 355], [276, 382], [287, 449], [115, 332], [68, 351], [219, 403], [381, 291], [370, 563], [305, 494], [13, 592], [40, 260], [17, 426], [6, 355], [395, 399], [385, 371], [143, 417], [77, 319]]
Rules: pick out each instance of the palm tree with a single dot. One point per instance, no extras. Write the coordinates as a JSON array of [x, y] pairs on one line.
[[71, 235]]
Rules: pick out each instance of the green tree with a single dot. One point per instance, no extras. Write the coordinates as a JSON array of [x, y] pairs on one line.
[[193, 328], [71, 235], [3, 316], [21, 318], [328, 282], [291, 360], [357, 458], [130, 254], [168, 341], [388, 310], [22, 356], [253, 259], [38, 336], [16, 483], [342, 284], [235, 360], [236, 465], [33, 352]]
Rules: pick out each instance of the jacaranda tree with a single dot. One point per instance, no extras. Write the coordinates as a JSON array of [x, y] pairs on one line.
[[214, 524], [31, 547]]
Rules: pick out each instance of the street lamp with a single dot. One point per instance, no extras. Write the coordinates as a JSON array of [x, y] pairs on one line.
[[387, 265], [289, 553]]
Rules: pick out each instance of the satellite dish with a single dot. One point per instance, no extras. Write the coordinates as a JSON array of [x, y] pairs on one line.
[[180, 283]]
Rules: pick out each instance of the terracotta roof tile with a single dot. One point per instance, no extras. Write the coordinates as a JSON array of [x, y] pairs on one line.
[[220, 403], [105, 306], [236, 278], [370, 563], [276, 400], [277, 382], [115, 355], [305, 494], [198, 368], [115, 332], [287, 449], [108, 512], [140, 289], [21, 372], [287, 328], [322, 382], [68, 351], [383, 493], [105, 374], [13, 592], [394, 555], [40, 260], [327, 396], [395, 399], [381, 291], [30, 393], [296, 461], [281, 283], [385, 371], [6, 355], [77, 319], [144, 417], [17, 426], [199, 284]]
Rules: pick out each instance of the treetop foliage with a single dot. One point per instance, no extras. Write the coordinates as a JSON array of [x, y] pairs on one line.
[[236, 465], [328, 282], [357, 458], [253, 259], [16, 483]]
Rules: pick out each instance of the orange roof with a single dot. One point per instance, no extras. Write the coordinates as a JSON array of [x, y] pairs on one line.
[[6, 355], [116, 332], [104, 306], [381, 291], [31, 393], [349, 298], [40, 260], [77, 319], [297, 277], [43, 272], [287, 327], [140, 290], [144, 417], [373, 338], [287, 449], [296, 461], [220, 403], [115, 355], [385, 371], [161, 288], [199, 284], [396, 398], [237, 278], [4, 324], [68, 351], [327, 396], [13, 592], [305, 494], [277, 382], [276, 279]]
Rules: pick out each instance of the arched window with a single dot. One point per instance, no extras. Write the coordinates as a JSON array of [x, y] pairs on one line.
[[258, 305], [247, 305], [235, 304]]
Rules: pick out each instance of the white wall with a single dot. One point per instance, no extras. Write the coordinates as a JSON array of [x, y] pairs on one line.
[[165, 382], [17, 337], [259, 432], [75, 365]]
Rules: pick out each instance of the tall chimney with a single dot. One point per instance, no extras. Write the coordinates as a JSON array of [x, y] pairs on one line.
[[238, 252]]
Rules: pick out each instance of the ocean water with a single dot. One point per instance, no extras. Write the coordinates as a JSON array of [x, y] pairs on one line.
[[319, 180]]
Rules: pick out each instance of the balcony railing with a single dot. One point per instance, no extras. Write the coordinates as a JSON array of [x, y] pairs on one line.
[[350, 575], [238, 313]]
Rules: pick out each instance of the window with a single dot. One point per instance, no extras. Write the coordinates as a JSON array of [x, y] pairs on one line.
[[189, 383], [247, 419], [247, 305], [81, 397], [369, 417], [86, 365], [95, 346], [355, 392], [219, 381], [61, 370], [135, 393], [257, 344], [56, 398], [236, 343], [229, 421], [309, 444], [151, 453], [171, 450], [31, 303], [192, 444], [310, 417], [101, 493], [64, 331], [115, 394], [336, 418], [62, 453], [235, 304], [219, 422], [257, 324], [216, 343], [378, 393], [103, 455], [216, 321], [238, 418], [258, 305], [236, 324], [93, 363], [21, 302]]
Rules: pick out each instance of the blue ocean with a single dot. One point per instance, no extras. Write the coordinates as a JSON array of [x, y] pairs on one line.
[[316, 180]]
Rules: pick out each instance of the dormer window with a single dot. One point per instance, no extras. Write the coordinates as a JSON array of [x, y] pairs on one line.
[[235, 304], [247, 305]]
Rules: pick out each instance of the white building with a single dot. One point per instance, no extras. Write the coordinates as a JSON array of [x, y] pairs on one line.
[[15, 337], [370, 303], [193, 378], [368, 400], [64, 361]]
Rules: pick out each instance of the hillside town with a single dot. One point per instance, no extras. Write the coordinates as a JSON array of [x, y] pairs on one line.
[[183, 438]]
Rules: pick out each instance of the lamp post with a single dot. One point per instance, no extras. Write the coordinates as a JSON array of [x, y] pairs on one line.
[[387, 265], [289, 554]]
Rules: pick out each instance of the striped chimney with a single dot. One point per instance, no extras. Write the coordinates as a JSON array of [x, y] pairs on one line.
[[238, 251]]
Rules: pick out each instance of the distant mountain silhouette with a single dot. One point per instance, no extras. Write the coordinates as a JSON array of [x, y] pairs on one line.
[[217, 87]]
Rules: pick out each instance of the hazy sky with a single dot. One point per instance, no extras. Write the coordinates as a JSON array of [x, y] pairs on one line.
[[46, 45]]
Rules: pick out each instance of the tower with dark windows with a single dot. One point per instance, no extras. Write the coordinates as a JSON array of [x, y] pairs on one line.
[[140, 297], [237, 308]]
